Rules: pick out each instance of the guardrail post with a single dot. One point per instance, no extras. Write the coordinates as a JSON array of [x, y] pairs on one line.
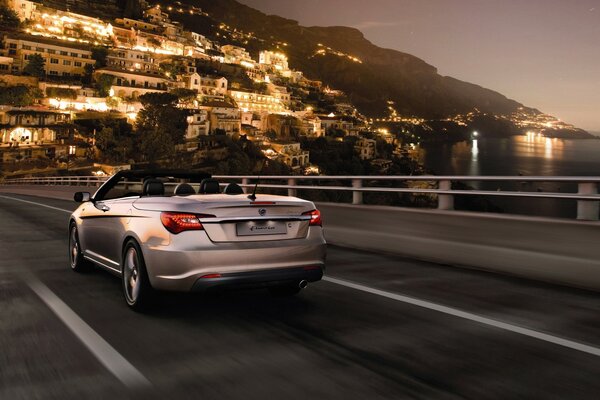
[[245, 181], [292, 192], [588, 210], [357, 196], [445, 201]]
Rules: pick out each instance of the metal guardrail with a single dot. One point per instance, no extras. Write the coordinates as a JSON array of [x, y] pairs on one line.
[[588, 200]]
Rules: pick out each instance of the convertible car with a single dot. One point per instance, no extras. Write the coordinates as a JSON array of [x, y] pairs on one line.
[[173, 231]]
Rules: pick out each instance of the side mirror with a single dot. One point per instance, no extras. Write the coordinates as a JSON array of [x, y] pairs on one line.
[[82, 197]]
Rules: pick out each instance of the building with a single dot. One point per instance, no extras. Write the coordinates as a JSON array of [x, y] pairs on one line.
[[6, 64], [62, 58], [30, 125], [129, 23], [205, 85], [237, 55], [25, 9], [332, 122], [81, 98], [279, 92], [132, 60], [366, 148], [156, 15], [223, 117], [198, 124], [257, 102], [70, 26], [291, 154], [201, 41], [276, 59], [134, 83]]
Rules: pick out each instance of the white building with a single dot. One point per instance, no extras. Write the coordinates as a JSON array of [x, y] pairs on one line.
[[132, 59], [198, 125], [134, 84], [276, 59], [25, 9], [257, 102], [62, 58], [237, 55]]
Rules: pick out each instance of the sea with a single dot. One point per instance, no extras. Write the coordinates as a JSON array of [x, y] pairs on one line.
[[527, 155]]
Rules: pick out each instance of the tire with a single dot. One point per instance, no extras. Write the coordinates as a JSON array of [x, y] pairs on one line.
[[285, 290], [76, 260], [138, 291]]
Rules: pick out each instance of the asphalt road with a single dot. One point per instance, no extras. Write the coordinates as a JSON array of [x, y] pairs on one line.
[[382, 327]]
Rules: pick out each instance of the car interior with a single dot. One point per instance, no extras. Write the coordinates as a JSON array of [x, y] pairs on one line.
[[152, 185]]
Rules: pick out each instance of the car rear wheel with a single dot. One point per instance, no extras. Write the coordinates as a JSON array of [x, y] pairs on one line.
[[137, 289], [76, 260], [285, 290]]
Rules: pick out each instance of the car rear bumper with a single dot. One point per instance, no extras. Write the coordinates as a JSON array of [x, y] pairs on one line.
[[179, 265], [253, 279]]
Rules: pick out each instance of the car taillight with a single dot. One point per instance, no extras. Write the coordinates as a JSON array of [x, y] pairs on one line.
[[179, 222], [315, 217]]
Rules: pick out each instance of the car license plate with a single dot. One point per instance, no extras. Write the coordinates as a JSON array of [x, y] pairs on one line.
[[252, 228]]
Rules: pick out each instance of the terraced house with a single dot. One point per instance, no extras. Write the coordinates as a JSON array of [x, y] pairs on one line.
[[62, 58]]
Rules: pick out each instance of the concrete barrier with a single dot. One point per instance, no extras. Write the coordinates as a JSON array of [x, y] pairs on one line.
[[551, 250]]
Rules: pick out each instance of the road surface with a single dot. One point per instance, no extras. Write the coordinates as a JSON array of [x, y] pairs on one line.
[[381, 327]]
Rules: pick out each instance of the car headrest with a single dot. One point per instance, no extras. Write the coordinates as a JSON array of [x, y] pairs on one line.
[[153, 187], [184, 189], [233, 188], [209, 186]]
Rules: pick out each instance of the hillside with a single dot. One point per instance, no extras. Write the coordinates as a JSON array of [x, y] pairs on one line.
[[382, 75]]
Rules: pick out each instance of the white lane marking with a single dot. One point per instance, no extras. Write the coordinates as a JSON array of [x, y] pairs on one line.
[[469, 316], [37, 204], [104, 352]]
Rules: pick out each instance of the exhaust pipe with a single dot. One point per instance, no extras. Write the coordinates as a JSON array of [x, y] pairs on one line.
[[303, 284]]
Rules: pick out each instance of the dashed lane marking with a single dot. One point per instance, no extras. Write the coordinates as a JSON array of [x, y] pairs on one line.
[[104, 352]]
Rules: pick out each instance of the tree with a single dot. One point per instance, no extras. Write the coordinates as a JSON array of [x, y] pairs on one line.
[[87, 75], [103, 84], [185, 96], [35, 66], [61, 93], [9, 18], [160, 125], [19, 96], [154, 43], [99, 54]]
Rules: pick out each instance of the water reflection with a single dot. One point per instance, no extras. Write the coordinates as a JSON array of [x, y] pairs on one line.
[[526, 155], [540, 146]]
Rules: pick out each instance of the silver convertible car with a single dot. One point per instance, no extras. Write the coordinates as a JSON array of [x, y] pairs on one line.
[[173, 231]]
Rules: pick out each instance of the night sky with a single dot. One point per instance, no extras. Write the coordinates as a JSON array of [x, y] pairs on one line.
[[543, 53]]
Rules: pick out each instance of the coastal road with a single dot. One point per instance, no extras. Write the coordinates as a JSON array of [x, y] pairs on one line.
[[380, 327]]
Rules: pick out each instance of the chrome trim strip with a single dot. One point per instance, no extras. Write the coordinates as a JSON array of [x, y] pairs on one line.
[[102, 264], [257, 218]]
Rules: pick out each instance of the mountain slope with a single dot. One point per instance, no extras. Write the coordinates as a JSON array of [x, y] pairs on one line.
[[384, 74]]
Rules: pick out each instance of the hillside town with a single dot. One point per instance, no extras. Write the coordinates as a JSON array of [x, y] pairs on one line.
[[76, 90]]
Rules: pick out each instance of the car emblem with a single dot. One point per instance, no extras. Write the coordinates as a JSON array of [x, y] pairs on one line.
[[262, 212]]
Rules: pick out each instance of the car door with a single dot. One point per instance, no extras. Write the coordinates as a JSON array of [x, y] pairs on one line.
[[105, 225]]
